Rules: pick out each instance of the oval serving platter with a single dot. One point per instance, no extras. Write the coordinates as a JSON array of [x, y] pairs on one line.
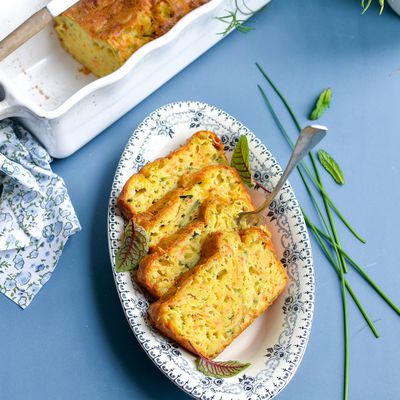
[[275, 343]]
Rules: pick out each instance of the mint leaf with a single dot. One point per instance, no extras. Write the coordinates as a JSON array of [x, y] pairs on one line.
[[321, 104], [220, 369], [240, 161], [134, 247], [331, 166]]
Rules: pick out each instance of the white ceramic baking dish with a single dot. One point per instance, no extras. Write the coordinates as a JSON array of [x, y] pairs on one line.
[[41, 85]]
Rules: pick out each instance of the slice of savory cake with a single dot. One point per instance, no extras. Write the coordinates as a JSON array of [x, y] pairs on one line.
[[180, 252], [159, 177], [103, 34], [182, 205], [237, 279]]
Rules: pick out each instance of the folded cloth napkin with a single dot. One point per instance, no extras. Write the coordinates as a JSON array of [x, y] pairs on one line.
[[36, 215]]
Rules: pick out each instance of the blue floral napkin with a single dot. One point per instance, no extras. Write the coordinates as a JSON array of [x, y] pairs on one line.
[[36, 215]]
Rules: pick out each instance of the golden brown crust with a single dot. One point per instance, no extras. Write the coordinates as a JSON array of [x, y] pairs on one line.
[[215, 248], [107, 19], [103, 34], [183, 204], [162, 268], [178, 10], [168, 330], [126, 199], [214, 279], [146, 265]]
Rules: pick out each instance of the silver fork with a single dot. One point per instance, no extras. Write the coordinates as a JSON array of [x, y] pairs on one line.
[[309, 137]]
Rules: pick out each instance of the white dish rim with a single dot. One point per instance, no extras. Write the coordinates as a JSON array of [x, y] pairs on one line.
[[306, 240]]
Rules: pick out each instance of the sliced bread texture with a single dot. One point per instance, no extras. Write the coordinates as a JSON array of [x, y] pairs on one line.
[[159, 177], [159, 271], [237, 279], [182, 205]]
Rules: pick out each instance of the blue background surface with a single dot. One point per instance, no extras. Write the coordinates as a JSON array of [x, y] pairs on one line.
[[73, 342]]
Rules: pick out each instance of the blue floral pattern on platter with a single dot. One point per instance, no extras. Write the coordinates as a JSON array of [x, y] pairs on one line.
[[274, 352], [36, 215]]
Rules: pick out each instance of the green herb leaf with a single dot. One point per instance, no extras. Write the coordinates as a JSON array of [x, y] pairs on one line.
[[220, 369], [134, 247], [233, 22], [331, 166], [240, 161], [321, 104]]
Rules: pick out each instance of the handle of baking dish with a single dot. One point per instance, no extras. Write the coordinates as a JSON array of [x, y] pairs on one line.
[[8, 109]]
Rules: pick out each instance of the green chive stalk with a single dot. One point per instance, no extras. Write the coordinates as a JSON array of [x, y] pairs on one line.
[[330, 236], [359, 270], [340, 257], [312, 177], [326, 251], [336, 267], [282, 129], [329, 256]]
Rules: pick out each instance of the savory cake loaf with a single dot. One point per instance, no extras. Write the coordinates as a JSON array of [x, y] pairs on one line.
[[177, 254], [182, 205], [238, 277], [103, 34], [159, 177]]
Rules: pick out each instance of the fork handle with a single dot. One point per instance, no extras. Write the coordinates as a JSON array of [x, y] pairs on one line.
[[309, 137], [24, 32]]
